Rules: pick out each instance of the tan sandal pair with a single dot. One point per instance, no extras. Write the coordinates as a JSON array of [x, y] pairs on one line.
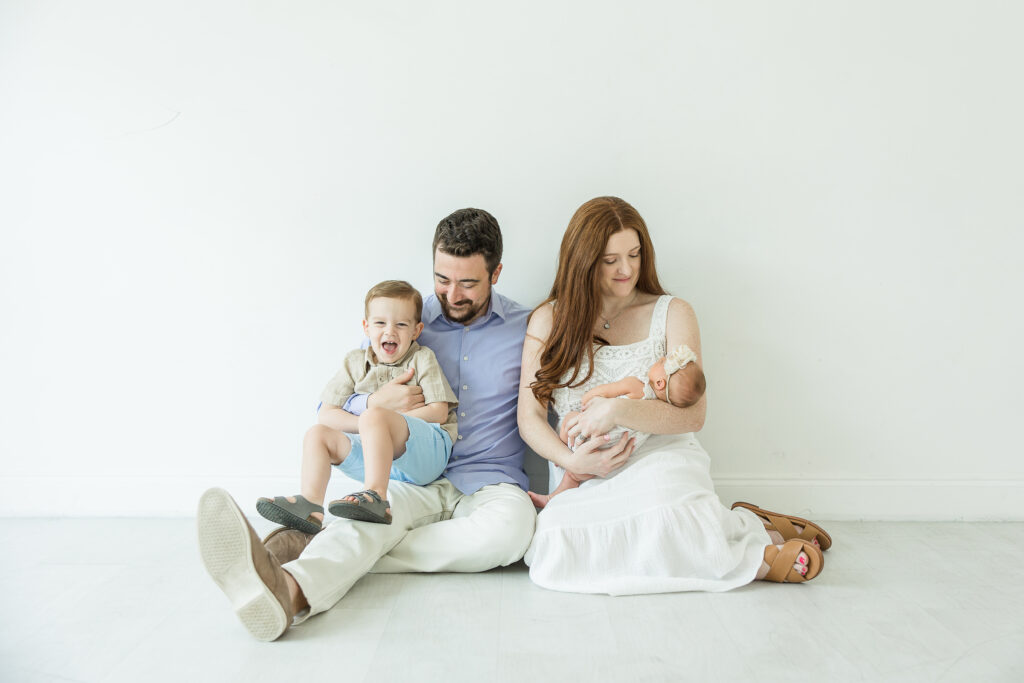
[[781, 561]]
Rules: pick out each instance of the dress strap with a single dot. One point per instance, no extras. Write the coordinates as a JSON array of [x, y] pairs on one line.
[[659, 319]]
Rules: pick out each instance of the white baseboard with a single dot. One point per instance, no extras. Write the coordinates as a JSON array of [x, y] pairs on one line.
[[825, 499], [924, 500]]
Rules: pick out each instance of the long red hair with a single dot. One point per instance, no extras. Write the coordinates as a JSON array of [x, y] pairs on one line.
[[577, 291]]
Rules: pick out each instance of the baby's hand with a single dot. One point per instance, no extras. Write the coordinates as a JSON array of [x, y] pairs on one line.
[[563, 432]]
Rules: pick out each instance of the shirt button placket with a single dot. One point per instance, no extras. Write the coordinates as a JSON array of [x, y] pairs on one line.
[[465, 357]]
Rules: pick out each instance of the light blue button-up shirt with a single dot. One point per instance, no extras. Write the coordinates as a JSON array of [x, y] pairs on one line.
[[481, 361]]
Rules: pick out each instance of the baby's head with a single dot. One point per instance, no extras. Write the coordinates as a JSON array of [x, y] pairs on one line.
[[392, 319], [678, 379]]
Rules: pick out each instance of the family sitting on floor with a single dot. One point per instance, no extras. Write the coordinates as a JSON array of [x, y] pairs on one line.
[[435, 414]]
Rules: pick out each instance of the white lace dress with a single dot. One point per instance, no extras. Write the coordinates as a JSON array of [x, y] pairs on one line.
[[656, 526]]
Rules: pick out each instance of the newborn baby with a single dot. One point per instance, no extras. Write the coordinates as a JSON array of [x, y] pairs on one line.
[[676, 379]]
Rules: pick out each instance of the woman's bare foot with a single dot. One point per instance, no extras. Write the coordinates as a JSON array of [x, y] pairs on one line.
[[777, 540]]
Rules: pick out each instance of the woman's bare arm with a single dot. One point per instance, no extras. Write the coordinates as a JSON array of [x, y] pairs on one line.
[[654, 417], [533, 416]]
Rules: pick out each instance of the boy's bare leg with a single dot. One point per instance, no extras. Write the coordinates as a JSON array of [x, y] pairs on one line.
[[384, 433], [321, 448]]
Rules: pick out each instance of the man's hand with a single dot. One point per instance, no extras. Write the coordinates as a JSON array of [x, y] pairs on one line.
[[598, 458], [397, 395]]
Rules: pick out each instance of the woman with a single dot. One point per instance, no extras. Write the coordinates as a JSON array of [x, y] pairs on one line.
[[649, 521]]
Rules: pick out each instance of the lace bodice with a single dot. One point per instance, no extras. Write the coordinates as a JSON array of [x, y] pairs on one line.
[[612, 363]]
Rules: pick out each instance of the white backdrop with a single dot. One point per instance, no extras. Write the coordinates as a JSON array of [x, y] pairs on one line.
[[194, 197]]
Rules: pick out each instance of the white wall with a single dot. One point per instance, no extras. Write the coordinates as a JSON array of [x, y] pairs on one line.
[[189, 192]]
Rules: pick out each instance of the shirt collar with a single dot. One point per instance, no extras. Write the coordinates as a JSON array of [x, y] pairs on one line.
[[432, 310]]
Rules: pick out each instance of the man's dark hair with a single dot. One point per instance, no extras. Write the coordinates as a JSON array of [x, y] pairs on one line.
[[468, 232]]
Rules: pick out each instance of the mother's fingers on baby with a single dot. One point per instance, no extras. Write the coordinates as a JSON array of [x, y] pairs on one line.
[[591, 444], [575, 430], [621, 451], [628, 451]]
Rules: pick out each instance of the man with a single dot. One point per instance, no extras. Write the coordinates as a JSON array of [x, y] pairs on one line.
[[476, 517]]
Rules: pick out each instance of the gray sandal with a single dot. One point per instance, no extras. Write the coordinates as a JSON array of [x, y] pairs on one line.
[[297, 515], [368, 507]]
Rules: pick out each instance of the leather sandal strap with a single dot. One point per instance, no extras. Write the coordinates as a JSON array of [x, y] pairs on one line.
[[785, 526], [301, 506], [362, 496], [781, 569]]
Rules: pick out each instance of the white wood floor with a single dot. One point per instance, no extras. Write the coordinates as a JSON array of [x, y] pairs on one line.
[[128, 600]]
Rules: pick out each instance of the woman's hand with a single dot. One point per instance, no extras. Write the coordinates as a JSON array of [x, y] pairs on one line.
[[598, 417], [598, 458], [569, 421]]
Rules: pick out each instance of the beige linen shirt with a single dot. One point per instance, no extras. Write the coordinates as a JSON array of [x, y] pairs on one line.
[[362, 373]]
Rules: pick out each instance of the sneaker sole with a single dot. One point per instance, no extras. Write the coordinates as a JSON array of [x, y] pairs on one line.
[[226, 548]]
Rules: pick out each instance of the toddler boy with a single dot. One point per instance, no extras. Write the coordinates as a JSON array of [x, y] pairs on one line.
[[380, 444]]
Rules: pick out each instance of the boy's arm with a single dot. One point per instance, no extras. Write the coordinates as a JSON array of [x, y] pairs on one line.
[[432, 412], [338, 392], [356, 404], [334, 417], [631, 387], [437, 393]]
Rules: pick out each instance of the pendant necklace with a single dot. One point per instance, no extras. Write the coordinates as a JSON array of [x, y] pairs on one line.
[[608, 323]]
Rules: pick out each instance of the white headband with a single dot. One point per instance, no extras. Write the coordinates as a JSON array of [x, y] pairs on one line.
[[682, 356]]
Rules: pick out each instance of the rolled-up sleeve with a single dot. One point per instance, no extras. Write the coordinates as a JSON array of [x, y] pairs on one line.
[[431, 378], [343, 384]]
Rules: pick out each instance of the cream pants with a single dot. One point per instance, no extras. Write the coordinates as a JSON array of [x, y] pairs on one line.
[[435, 528]]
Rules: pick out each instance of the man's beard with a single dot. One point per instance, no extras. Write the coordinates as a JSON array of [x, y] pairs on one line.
[[460, 317]]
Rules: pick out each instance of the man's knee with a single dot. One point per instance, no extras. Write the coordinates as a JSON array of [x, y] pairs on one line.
[[513, 523]]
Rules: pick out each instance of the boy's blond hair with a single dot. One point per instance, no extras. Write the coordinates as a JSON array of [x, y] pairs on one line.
[[394, 289]]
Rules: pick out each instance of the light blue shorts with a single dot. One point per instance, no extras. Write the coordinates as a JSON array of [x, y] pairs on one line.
[[426, 454]]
